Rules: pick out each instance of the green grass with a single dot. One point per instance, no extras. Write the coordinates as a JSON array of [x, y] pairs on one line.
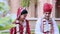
[[59, 27], [32, 31], [5, 33], [8, 32]]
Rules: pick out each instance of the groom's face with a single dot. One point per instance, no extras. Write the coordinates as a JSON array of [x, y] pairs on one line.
[[47, 14]]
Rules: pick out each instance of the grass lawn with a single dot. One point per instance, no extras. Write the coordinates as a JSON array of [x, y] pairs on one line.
[[5, 33], [8, 32]]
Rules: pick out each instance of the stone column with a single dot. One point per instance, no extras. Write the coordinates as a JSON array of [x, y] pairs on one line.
[[40, 8], [53, 9], [14, 6], [31, 9]]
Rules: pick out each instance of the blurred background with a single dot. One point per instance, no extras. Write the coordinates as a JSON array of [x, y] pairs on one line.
[[8, 10]]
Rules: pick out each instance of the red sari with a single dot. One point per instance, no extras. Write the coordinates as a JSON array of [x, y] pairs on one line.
[[13, 30]]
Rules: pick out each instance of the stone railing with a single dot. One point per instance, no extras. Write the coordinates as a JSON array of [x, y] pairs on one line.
[[32, 22]]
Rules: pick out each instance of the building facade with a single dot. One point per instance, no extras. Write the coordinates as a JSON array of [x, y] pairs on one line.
[[35, 9]]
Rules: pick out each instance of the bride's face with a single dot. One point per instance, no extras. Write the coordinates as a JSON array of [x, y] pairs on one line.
[[22, 17]]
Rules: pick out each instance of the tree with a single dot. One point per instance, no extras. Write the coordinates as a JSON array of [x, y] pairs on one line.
[[25, 3], [5, 19]]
